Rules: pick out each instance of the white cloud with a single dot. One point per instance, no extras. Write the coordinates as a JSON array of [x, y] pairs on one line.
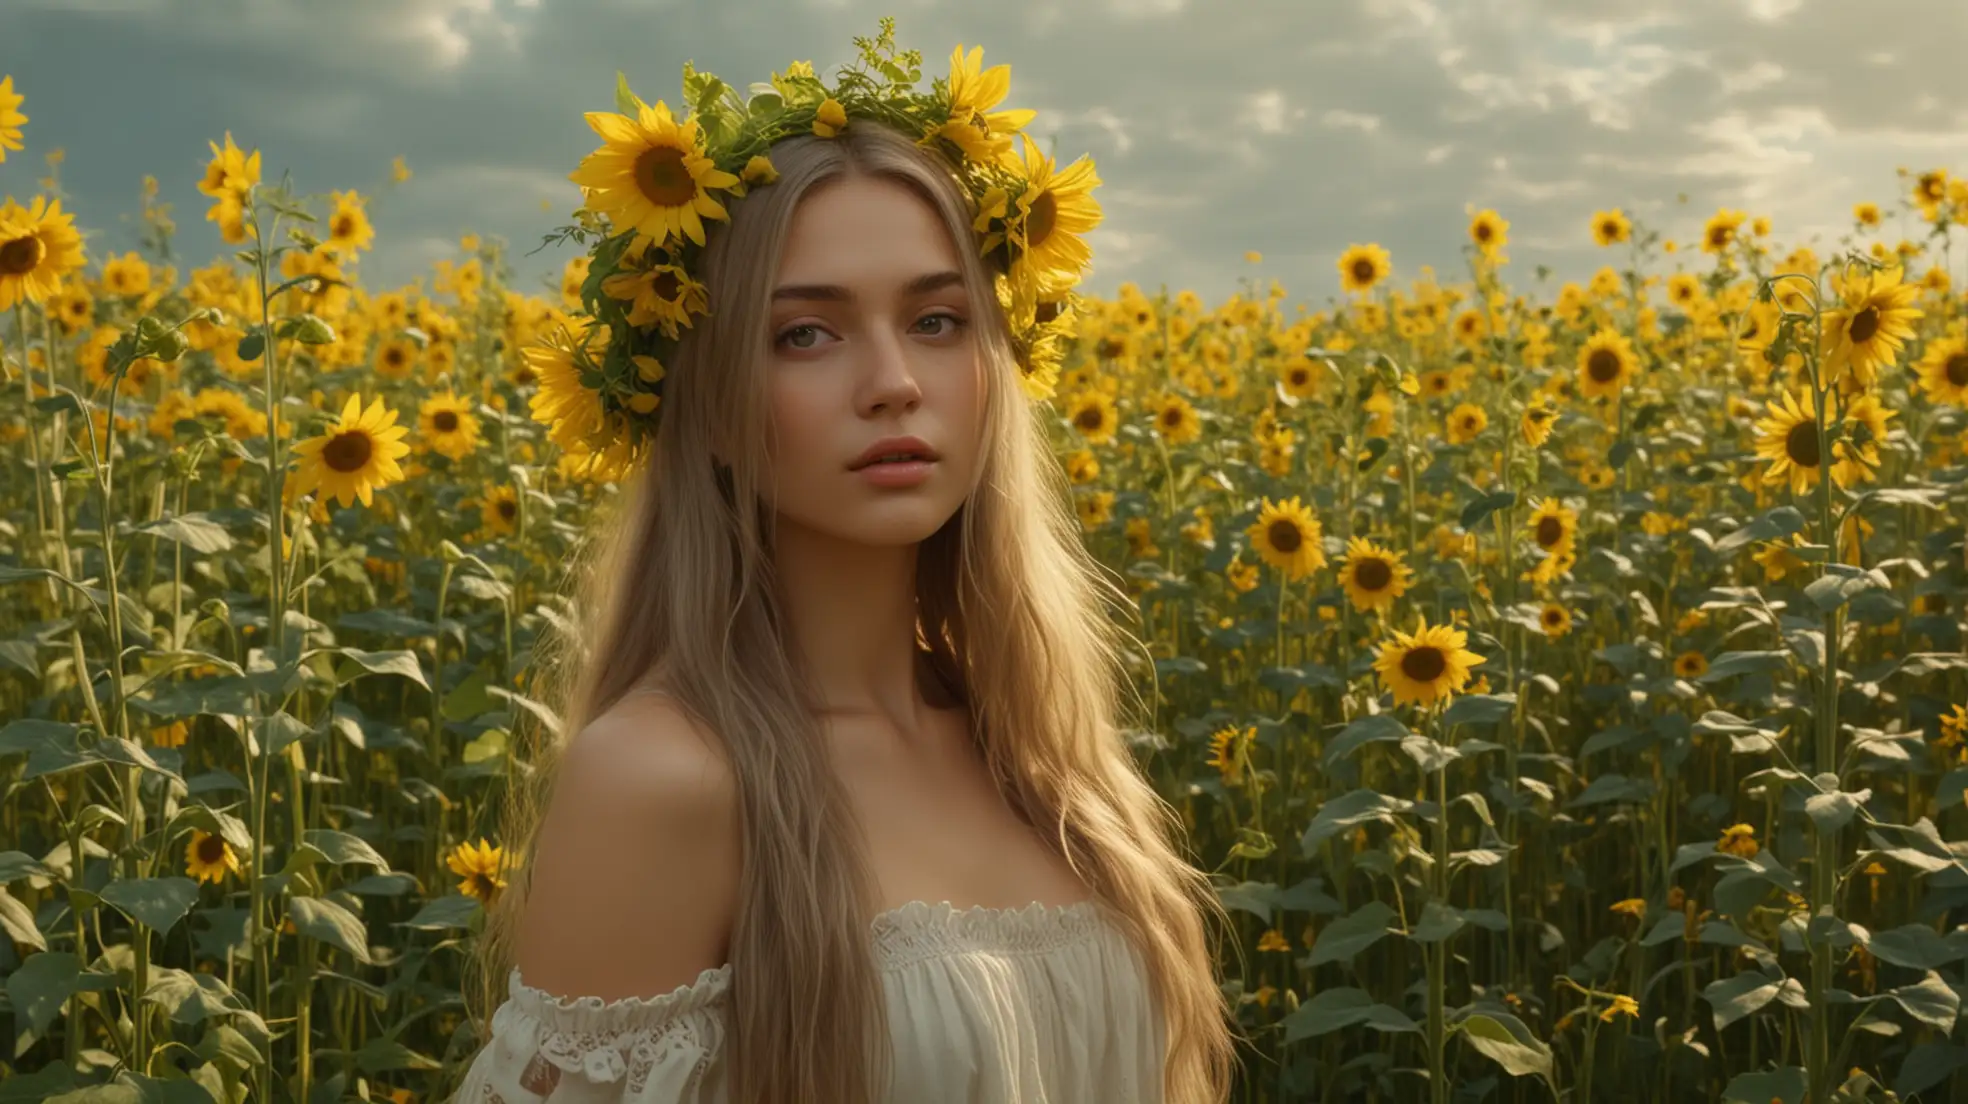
[[1351, 120]]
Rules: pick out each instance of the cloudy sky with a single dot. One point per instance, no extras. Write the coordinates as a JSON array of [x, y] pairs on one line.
[[1294, 127]]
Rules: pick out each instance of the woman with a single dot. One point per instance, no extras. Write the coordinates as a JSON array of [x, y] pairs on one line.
[[847, 815]]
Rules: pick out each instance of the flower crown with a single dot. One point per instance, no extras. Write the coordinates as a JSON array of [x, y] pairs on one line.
[[653, 184]]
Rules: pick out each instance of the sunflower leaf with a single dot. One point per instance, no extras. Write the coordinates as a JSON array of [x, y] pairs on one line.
[[329, 922], [157, 903], [1340, 940], [1774, 524], [1483, 506], [1333, 1009]]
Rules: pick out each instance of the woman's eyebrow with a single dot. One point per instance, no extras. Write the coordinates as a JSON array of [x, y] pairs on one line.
[[834, 293]]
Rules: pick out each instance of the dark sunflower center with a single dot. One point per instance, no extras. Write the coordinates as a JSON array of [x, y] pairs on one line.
[[1172, 417], [1550, 531], [1484, 232], [446, 421], [481, 885], [663, 178], [347, 452], [508, 508], [524, 375], [21, 256], [1424, 664], [211, 850], [1299, 376], [1089, 418], [1284, 535], [344, 226], [1469, 423], [1801, 444], [666, 285], [1047, 312], [1554, 617], [1110, 348], [393, 358], [1603, 366], [1864, 325], [1040, 220], [1609, 228], [1373, 574], [1719, 236], [1956, 369], [1363, 270]]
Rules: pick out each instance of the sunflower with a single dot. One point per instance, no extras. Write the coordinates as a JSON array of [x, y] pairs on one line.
[[1490, 232], [499, 512], [1738, 840], [1720, 231], [1094, 508], [1300, 377], [1930, 190], [1055, 208], [1684, 290], [209, 858], [1605, 363], [1866, 331], [984, 135], [1082, 466], [1287, 537], [449, 427], [357, 455], [1943, 371], [1855, 456], [1373, 576], [1092, 413], [1610, 227], [1535, 425], [1788, 438], [396, 358], [1554, 527], [1176, 420], [1758, 329], [1363, 266], [1465, 422], [38, 246], [1555, 620], [1691, 665], [1230, 752], [126, 276], [1622, 1005], [1866, 214], [229, 176], [662, 294], [651, 174], [1427, 665], [570, 409], [348, 228], [11, 119], [479, 867]]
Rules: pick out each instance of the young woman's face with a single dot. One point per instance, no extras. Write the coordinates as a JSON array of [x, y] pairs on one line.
[[871, 341]]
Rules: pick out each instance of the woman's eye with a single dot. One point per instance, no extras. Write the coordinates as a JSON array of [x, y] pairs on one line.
[[955, 322], [785, 337]]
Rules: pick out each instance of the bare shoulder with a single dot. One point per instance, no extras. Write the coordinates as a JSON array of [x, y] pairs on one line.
[[634, 879]]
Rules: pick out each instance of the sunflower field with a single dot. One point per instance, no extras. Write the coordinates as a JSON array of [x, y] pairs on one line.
[[1565, 682]]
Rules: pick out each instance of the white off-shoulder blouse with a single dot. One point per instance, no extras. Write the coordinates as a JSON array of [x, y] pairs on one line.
[[1045, 1004]]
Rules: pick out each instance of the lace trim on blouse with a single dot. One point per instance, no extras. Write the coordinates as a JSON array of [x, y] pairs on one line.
[[608, 1041]]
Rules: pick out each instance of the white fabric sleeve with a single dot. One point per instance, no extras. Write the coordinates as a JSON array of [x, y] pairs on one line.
[[546, 1049]]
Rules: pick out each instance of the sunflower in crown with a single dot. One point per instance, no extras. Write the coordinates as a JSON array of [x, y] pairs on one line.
[[659, 182]]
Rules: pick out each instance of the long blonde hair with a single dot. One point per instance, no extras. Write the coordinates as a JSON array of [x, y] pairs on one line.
[[678, 590]]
